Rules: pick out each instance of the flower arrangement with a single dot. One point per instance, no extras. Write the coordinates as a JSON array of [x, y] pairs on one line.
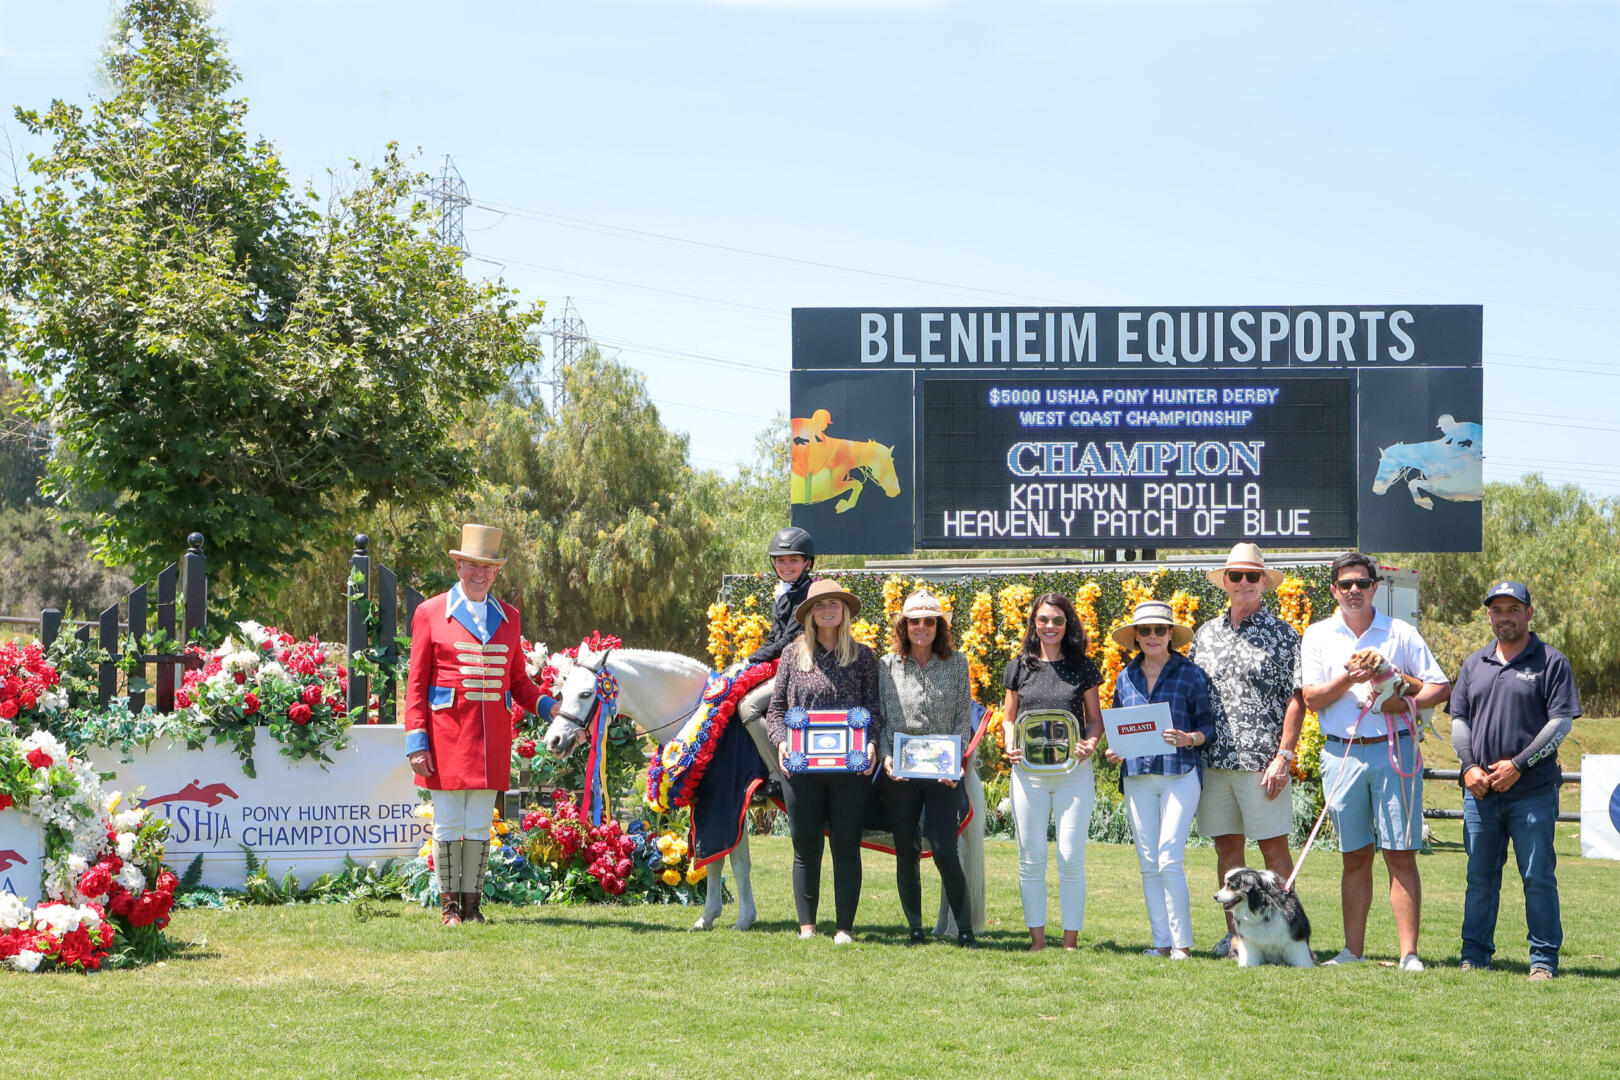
[[293, 689], [556, 856], [1294, 608], [108, 894], [674, 774], [28, 686]]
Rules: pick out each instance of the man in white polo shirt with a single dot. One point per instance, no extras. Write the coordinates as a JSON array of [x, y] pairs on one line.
[[1370, 797]]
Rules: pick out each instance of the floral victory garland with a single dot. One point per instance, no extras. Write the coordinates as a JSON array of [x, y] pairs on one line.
[[108, 893], [673, 776]]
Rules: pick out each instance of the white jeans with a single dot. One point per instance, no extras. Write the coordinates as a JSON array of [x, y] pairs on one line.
[[1036, 799], [1161, 809], [463, 815]]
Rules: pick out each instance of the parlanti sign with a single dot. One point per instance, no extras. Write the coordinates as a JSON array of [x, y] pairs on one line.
[[1113, 427]]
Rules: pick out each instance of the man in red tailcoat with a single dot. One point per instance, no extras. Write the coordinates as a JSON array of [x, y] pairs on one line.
[[467, 669]]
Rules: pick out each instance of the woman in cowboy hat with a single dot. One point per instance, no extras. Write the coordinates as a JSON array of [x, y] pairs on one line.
[[1053, 674], [923, 683], [826, 668], [1161, 791]]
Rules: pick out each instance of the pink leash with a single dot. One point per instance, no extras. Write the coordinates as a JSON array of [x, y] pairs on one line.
[[1394, 761]]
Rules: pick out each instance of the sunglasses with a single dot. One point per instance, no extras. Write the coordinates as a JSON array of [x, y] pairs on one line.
[[1251, 576], [923, 620], [1051, 620], [1354, 583], [1153, 630]]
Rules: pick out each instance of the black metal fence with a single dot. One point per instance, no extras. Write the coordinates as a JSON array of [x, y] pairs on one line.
[[373, 630], [175, 629]]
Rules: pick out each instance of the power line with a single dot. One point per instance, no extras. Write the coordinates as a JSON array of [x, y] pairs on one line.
[[503, 261], [450, 199]]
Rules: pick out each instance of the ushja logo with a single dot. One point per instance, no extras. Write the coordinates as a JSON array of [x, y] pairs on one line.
[[10, 858], [209, 795]]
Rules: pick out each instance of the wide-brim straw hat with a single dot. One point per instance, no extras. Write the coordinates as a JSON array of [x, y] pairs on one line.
[[1246, 556], [921, 604], [1153, 613], [480, 544], [821, 590]]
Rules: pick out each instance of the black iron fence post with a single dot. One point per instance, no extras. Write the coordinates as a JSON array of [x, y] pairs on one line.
[[50, 625], [196, 568], [359, 588]]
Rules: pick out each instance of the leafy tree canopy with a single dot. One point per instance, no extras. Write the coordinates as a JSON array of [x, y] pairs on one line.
[[215, 351]]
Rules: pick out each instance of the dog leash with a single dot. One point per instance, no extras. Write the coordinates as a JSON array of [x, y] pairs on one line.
[[1394, 757]]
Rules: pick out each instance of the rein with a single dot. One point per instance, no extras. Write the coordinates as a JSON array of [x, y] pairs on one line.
[[1393, 740], [592, 798]]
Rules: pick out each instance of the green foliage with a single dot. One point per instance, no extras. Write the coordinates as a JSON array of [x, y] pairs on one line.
[[1561, 542], [222, 353], [22, 447], [42, 565]]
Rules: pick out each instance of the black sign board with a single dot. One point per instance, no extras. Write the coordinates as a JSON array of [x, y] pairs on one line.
[[1110, 427]]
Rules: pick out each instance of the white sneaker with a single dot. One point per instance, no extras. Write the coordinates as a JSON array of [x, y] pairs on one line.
[[806, 935], [1180, 954], [1410, 962], [843, 938], [1345, 957], [1155, 953]]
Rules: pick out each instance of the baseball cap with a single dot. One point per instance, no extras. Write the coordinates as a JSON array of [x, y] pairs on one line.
[[1515, 589]]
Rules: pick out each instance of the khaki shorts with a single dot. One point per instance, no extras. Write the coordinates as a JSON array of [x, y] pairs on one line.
[[1234, 802]]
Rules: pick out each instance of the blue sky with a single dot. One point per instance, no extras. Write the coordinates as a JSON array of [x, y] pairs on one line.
[[688, 171]]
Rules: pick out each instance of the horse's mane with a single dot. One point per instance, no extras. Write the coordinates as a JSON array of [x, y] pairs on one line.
[[655, 657]]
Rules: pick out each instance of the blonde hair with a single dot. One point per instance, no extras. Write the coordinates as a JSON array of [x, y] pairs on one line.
[[844, 650]]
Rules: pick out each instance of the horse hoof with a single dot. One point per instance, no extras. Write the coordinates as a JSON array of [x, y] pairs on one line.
[[744, 924], [702, 924]]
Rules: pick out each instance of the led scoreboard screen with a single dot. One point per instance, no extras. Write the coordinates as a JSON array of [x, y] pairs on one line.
[[1151, 461], [1026, 430]]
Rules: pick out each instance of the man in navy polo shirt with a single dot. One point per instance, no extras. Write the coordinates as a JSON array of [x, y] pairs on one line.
[[1512, 705]]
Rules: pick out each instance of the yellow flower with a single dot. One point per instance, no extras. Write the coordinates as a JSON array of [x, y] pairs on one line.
[[670, 877], [425, 850], [866, 632], [423, 810], [696, 874], [1085, 606], [894, 595], [720, 649], [748, 633], [666, 844]]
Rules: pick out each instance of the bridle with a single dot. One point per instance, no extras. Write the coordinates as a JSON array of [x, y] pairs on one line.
[[607, 694]]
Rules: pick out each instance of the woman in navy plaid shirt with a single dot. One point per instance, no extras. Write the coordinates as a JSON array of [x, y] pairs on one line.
[[1161, 792]]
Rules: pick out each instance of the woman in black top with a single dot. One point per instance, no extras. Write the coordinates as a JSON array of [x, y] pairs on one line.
[[1053, 673]]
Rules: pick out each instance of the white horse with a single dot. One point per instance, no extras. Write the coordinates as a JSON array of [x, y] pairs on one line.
[[660, 691], [1451, 466]]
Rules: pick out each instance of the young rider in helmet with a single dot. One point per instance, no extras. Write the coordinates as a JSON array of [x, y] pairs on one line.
[[793, 554]]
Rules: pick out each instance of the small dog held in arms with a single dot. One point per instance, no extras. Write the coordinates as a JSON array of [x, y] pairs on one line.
[[1271, 924], [1386, 683]]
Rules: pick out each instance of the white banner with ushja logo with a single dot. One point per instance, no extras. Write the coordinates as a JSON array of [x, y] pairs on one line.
[[1600, 806], [292, 816], [22, 854]]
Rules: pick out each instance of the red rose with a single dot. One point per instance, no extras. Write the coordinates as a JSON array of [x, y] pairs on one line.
[[339, 708], [182, 700], [167, 882], [240, 677], [8, 709], [312, 694], [5, 801], [95, 881], [37, 758], [299, 714], [622, 868], [526, 749], [343, 673], [122, 902], [613, 885], [250, 704], [27, 699]]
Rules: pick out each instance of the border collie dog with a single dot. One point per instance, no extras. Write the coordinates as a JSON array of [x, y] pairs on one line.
[[1271, 924]]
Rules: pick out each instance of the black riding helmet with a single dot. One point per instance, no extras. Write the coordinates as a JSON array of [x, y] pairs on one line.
[[793, 541]]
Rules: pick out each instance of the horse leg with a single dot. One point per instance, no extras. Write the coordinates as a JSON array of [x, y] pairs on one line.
[[1420, 492], [742, 869], [850, 485], [715, 896]]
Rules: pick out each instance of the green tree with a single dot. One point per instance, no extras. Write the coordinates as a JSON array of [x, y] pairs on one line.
[[222, 353], [23, 443]]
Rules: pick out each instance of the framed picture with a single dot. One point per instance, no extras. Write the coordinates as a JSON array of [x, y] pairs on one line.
[[928, 757], [828, 740]]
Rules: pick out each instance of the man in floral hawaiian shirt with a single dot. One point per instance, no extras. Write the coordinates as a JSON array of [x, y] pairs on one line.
[[1253, 662]]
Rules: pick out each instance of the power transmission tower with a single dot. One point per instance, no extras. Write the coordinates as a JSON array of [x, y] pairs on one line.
[[569, 340], [450, 199]]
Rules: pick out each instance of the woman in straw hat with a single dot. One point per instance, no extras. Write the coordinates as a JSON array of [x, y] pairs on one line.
[[1161, 791], [923, 683], [826, 668], [1053, 674]]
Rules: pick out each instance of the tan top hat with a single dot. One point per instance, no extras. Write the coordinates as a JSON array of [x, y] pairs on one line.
[[1246, 556], [480, 544], [1153, 613], [820, 590]]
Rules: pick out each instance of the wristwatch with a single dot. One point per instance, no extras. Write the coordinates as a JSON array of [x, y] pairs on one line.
[[1286, 755]]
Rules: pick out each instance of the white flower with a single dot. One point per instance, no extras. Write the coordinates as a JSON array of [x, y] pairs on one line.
[[27, 960], [219, 680], [132, 878], [54, 699], [126, 844], [129, 820], [256, 633], [77, 864], [1004, 806], [241, 661], [58, 918], [13, 912], [270, 670]]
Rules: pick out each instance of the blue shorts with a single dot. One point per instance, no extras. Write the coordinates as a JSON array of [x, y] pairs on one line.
[[1372, 801]]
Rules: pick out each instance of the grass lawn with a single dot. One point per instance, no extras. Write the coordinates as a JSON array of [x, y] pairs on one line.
[[323, 991]]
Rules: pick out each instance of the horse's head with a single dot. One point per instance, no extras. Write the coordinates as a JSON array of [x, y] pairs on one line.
[[576, 694], [1392, 465], [882, 466]]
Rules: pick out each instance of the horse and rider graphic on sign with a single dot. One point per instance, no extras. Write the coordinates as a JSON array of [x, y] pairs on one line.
[[1450, 467], [826, 468]]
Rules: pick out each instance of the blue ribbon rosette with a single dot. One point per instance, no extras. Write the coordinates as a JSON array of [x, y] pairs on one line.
[[796, 761], [859, 718], [798, 717], [857, 761]]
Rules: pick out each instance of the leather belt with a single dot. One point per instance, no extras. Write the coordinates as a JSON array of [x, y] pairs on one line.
[[1367, 740]]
